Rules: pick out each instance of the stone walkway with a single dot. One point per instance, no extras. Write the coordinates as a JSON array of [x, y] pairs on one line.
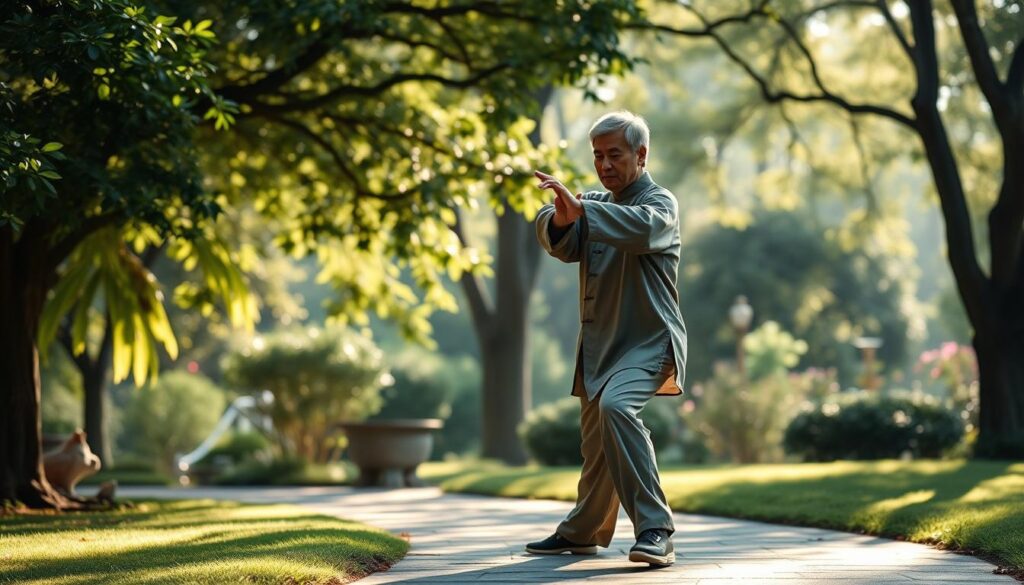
[[470, 539]]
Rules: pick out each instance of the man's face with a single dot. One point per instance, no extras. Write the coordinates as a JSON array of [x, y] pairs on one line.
[[616, 163]]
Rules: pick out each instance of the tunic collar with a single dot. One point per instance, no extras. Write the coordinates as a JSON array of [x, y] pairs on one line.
[[635, 188]]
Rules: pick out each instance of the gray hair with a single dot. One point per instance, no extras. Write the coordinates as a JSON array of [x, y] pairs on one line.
[[637, 132]]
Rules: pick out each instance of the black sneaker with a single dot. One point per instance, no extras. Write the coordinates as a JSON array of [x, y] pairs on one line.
[[654, 546], [556, 545]]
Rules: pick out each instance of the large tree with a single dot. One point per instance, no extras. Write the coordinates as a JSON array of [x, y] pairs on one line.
[[932, 57], [96, 148]]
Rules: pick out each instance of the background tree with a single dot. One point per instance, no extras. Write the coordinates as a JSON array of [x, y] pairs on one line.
[[915, 92], [797, 276]]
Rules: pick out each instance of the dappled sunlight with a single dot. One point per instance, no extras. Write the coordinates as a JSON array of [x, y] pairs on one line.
[[555, 485], [195, 542], [956, 503], [874, 516], [998, 488]]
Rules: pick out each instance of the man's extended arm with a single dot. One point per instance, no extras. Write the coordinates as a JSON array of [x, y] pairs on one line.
[[562, 243], [649, 226], [558, 228]]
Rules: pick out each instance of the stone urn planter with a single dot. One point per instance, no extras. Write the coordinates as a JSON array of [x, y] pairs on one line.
[[388, 452]]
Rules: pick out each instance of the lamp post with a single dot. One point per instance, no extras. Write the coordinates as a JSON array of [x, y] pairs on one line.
[[740, 314], [867, 347]]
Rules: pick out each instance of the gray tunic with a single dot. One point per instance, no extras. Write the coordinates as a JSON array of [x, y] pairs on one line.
[[628, 250]]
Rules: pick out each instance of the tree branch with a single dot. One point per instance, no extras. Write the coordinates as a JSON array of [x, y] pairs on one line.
[[360, 189], [480, 302], [414, 43], [883, 7], [825, 96], [274, 80], [59, 251], [981, 61], [869, 187], [1015, 76], [299, 104], [970, 279]]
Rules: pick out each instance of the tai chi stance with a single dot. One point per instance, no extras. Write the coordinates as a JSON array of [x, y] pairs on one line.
[[632, 341]]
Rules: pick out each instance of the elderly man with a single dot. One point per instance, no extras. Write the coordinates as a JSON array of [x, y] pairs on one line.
[[632, 341]]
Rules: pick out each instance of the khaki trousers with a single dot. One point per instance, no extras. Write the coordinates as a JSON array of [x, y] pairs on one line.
[[618, 462]]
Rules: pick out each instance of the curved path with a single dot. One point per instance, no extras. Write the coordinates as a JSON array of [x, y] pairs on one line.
[[475, 539]]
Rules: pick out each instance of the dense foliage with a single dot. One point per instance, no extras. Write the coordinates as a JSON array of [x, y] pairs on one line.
[[741, 416], [319, 378], [866, 425], [171, 416]]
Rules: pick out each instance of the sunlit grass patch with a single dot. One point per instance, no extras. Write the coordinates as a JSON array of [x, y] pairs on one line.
[[198, 541]]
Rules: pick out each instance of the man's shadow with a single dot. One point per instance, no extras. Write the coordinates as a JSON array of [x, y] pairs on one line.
[[530, 568]]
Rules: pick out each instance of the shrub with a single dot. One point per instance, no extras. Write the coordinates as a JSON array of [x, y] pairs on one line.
[[742, 418], [863, 425], [422, 388], [552, 431], [318, 377], [172, 415], [284, 471]]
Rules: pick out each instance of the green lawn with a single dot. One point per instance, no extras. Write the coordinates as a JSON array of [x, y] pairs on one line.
[[972, 506], [197, 541]]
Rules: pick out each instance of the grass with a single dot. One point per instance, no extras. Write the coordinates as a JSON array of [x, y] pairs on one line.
[[195, 541], [972, 506]]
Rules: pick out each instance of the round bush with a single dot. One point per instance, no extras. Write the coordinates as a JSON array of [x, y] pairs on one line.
[[861, 425], [552, 431], [172, 415], [423, 383]]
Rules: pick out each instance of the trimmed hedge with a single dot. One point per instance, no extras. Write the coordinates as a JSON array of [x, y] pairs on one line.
[[864, 425]]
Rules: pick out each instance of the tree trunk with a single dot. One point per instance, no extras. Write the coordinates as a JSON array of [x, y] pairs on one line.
[[94, 383], [22, 292], [503, 330], [1000, 351], [506, 392]]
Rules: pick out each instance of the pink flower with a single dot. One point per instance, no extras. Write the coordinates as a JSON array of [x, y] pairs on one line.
[[949, 349]]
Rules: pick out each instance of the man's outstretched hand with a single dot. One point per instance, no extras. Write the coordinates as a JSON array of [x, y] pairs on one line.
[[567, 208]]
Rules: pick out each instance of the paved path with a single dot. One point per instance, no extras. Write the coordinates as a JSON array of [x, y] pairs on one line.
[[471, 539]]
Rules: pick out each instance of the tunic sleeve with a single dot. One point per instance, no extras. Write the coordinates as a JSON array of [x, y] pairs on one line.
[[567, 249], [648, 226]]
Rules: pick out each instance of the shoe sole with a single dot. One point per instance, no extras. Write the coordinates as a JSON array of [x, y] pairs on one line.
[[576, 550], [642, 557]]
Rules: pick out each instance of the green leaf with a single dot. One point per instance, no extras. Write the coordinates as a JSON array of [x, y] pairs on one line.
[[50, 175], [80, 320], [52, 146], [103, 91], [65, 294]]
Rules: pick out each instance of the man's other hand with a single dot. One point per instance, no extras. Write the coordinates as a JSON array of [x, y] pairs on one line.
[[567, 208]]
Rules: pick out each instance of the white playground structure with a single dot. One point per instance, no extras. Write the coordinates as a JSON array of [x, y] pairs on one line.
[[244, 412]]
